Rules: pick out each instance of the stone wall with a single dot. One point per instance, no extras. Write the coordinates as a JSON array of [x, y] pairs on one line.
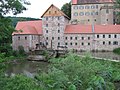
[[27, 41], [89, 42], [53, 30], [93, 13]]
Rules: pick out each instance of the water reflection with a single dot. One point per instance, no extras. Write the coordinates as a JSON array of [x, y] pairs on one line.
[[28, 68]]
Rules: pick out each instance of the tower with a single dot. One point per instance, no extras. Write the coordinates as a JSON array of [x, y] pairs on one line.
[[53, 24]]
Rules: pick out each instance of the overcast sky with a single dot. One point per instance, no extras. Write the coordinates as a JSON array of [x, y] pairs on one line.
[[38, 7]]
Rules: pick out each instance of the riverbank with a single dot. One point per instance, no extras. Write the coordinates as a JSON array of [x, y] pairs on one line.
[[65, 73]]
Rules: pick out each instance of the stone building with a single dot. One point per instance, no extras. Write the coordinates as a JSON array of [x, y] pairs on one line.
[[54, 22], [93, 12], [28, 35], [55, 30]]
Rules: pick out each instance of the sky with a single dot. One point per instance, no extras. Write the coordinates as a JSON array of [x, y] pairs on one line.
[[38, 7]]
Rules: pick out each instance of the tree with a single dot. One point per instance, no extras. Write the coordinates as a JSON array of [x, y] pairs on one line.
[[6, 29], [117, 12], [66, 8]]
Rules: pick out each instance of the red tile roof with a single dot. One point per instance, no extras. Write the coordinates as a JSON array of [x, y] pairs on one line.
[[86, 29], [74, 1], [29, 27]]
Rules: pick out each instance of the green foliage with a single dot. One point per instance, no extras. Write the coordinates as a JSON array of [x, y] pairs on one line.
[[6, 28], [69, 73], [18, 82], [16, 6], [66, 8], [86, 73], [21, 50], [15, 20], [117, 51]]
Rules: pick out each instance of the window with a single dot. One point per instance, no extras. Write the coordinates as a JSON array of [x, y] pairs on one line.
[[81, 7], [52, 38], [92, 7], [58, 18], [98, 36], [81, 13], [88, 38], [103, 42], [46, 25], [87, 7], [58, 24], [46, 43], [70, 43], [75, 43], [109, 43], [58, 43], [88, 20], [88, 43], [49, 12], [55, 12], [96, 13], [75, 14], [18, 38], [115, 36], [96, 6], [109, 36], [82, 38], [107, 11], [58, 31], [46, 38], [70, 38], [115, 43], [46, 31], [106, 19], [95, 20], [66, 38], [25, 38], [75, 7], [66, 43], [75, 38], [87, 13], [58, 38], [103, 36], [46, 18], [82, 43]]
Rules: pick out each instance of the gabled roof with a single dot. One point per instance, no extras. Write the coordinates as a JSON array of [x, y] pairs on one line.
[[88, 29], [61, 13], [29, 27]]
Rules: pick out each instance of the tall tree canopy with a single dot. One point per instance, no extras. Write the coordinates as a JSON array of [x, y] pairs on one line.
[[6, 29], [66, 8]]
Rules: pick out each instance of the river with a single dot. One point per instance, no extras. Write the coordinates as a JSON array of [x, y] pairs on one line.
[[30, 68]]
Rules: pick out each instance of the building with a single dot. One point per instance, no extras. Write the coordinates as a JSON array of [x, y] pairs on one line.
[[100, 12], [56, 30]]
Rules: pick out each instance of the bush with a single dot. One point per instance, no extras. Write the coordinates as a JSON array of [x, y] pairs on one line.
[[21, 50], [117, 50]]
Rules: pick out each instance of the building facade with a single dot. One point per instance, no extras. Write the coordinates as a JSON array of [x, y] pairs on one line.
[[95, 28], [100, 12]]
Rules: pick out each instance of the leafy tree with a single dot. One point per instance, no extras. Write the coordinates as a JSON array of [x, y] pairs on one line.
[[66, 8], [6, 29]]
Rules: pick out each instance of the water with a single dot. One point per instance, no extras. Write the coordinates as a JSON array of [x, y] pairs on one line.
[[28, 68], [106, 55]]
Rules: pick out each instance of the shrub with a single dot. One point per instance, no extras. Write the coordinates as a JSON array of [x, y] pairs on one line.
[[117, 50], [21, 50]]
